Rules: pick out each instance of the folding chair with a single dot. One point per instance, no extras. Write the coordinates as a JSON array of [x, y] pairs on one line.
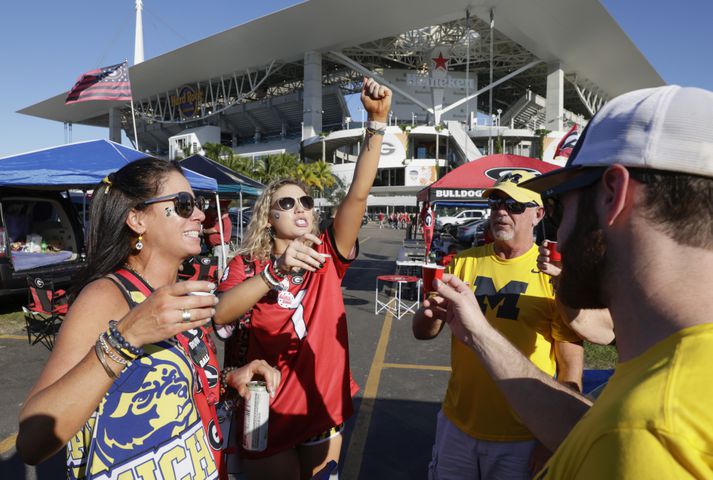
[[394, 293], [44, 312]]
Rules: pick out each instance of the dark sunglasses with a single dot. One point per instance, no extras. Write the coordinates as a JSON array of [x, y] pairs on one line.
[[183, 202], [512, 206], [288, 203]]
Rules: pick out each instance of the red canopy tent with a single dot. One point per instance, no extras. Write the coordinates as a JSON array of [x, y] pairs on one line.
[[467, 182]]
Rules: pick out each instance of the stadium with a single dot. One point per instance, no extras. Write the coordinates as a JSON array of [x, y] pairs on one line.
[[469, 78]]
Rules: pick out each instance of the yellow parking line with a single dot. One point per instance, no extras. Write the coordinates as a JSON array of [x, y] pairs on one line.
[[8, 443], [13, 337], [409, 366], [355, 453]]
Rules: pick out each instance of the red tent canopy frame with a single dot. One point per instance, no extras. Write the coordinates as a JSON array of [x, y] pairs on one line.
[[467, 182]]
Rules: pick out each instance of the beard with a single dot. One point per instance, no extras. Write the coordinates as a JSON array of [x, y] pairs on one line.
[[583, 259]]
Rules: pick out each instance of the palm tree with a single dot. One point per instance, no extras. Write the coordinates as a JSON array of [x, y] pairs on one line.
[[322, 173]]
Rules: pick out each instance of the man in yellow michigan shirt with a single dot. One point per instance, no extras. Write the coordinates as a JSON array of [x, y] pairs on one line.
[[478, 436], [635, 211]]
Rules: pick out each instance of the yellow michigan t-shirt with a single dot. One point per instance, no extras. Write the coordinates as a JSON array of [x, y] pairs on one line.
[[518, 300], [654, 418]]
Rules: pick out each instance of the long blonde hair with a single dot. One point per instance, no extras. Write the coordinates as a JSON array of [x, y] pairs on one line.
[[258, 242]]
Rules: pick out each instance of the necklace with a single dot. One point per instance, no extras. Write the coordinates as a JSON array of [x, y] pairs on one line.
[[133, 270]]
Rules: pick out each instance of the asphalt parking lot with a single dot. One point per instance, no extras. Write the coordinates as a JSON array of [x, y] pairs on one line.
[[402, 380]]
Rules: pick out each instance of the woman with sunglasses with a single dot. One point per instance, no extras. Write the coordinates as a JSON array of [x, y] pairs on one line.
[[129, 385], [287, 279]]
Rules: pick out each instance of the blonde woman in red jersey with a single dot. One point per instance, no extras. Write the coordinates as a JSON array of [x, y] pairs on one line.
[[286, 283]]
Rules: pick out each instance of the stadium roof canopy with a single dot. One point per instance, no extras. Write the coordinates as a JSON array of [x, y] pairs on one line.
[[252, 74]]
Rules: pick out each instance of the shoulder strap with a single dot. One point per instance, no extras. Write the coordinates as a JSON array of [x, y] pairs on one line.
[[127, 296]]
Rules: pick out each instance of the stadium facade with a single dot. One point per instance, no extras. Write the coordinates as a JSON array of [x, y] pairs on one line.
[[469, 77]]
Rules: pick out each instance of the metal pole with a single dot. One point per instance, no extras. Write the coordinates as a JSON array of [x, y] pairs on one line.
[[490, 93], [467, 78], [220, 229]]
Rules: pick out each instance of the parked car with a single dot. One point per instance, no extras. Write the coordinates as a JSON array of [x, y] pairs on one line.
[[472, 233], [41, 235], [447, 223]]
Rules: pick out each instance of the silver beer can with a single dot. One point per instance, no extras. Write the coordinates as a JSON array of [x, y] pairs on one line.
[[257, 413]]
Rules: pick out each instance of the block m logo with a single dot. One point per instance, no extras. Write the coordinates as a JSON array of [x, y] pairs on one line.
[[505, 299]]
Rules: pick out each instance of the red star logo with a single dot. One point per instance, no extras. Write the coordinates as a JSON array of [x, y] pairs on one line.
[[441, 61]]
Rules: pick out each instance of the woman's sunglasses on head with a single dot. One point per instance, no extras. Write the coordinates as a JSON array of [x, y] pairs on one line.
[[288, 203], [183, 202], [512, 206]]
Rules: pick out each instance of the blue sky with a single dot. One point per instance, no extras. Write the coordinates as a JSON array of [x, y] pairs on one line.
[[48, 44]]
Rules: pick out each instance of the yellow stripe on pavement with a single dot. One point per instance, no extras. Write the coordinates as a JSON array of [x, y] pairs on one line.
[[355, 453], [409, 366], [13, 337], [8, 443]]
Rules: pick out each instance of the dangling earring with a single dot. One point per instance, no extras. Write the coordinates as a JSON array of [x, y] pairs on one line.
[[139, 244], [270, 231]]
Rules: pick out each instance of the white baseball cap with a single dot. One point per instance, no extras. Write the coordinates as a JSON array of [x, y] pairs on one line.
[[666, 128]]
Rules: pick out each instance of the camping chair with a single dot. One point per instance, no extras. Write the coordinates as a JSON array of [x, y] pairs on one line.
[[44, 312]]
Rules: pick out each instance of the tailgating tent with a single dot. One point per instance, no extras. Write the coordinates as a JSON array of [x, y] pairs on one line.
[[77, 165], [230, 183], [466, 183]]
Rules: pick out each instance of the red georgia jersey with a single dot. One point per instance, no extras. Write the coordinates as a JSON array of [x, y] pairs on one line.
[[307, 340]]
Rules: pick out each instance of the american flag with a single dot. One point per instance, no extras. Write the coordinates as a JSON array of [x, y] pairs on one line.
[[105, 83]]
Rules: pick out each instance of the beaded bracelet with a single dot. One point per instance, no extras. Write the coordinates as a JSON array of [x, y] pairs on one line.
[[125, 347], [102, 360], [224, 379], [271, 281], [372, 132], [114, 343], [275, 272], [110, 351]]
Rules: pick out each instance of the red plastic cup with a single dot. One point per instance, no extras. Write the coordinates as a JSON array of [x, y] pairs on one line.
[[431, 271], [555, 255], [327, 259]]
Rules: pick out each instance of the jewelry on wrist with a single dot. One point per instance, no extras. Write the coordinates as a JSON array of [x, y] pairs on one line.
[[370, 132], [271, 281], [276, 272], [102, 360], [224, 379], [110, 351], [376, 125], [125, 348]]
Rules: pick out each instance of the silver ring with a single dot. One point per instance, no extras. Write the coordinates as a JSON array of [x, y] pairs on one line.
[[186, 315]]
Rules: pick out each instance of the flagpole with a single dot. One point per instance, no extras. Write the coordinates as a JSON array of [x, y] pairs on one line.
[[133, 114]]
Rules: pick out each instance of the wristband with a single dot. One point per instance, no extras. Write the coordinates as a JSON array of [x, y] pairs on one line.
[[271, 281], [371, 132], [374, 125]]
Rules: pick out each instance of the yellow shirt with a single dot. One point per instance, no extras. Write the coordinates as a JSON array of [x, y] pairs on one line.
[[518, 300], [654, 418]]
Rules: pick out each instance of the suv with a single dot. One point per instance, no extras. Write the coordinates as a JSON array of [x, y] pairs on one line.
[[40, 235], [447, 223]]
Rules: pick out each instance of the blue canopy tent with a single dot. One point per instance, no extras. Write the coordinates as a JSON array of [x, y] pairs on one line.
[[230, 183], [77, 166]]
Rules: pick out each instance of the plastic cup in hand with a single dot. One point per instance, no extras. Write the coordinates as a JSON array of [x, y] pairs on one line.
[[327, 258], [431, 271], [555, 255]]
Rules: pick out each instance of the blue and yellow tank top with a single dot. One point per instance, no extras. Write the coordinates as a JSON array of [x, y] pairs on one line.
[[147, 425]]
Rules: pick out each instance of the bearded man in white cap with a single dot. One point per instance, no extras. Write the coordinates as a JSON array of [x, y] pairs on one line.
[[635, 212]]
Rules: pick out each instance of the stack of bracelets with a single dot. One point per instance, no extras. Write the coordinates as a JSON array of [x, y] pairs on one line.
[[375, 128], [273, 277], [112, 344]]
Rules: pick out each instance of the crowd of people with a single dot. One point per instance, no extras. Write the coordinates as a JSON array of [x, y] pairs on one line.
[[133, 385]]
